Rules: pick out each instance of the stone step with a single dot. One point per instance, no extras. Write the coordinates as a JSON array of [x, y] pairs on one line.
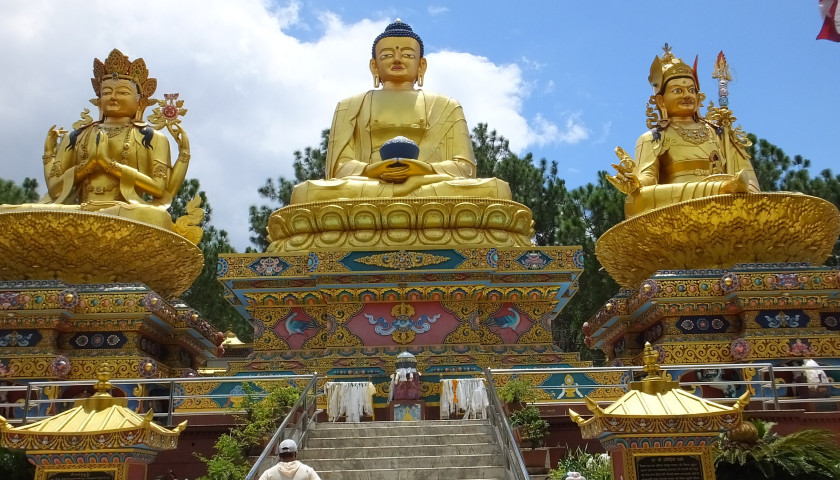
[[385, 439], [357, 451], [405, 462], [428, 473], [370, 429]]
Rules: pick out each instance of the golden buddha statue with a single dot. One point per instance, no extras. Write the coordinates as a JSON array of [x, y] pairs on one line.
[[400, 171], [363, 123], [683, 156], [118, 165]]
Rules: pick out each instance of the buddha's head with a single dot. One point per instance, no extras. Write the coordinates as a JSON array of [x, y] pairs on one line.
[[398, 60], [675, 87], [122, 87]]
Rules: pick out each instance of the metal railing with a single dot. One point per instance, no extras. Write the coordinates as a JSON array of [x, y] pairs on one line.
[[514, 464], [303, 411], [34, 403]]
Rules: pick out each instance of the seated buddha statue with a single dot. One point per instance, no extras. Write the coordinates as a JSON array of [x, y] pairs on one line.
[[445, 165], [683, 156], [118, 165]]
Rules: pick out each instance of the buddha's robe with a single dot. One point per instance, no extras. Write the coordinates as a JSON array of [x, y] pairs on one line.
[[672, 168], [361, 125]]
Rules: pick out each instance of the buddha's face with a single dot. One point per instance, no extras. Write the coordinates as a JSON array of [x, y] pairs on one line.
[[118, 98], [680, 98], [398, 60]]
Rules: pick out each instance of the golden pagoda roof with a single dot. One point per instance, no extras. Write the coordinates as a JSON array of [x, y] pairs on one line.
[[95, 423], [657, 405]]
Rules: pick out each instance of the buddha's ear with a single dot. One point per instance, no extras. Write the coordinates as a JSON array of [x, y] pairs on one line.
[[422, 68], [660, 102], [373, 70]]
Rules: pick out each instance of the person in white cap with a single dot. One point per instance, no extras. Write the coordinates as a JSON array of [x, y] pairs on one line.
[[289, 468]]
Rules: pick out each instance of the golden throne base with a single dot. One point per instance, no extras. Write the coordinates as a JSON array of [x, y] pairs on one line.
[[376, 223], [718, 232], [87, 247]]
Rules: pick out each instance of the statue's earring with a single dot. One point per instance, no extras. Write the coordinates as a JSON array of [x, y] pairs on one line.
[[420, 80], [376, 81]]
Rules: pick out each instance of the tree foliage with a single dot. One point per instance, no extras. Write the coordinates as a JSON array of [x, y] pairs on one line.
[[206, 294], [309, 164], [14, 194]]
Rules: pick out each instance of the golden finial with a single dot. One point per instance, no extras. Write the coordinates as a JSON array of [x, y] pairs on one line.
[[103, 376], [650, 356]]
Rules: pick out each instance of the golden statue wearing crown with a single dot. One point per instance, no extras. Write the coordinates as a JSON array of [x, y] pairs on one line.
[[693, 200], [683, 156], [109, 184], [119, 165], [363, 123], [400, 170]]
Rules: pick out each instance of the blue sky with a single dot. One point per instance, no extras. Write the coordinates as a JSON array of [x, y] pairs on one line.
[[566, 81]]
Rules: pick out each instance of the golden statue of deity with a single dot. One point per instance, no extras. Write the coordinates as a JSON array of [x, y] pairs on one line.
[[118, 165], [109, 184], [693, 200], [400, 171], [363, 123], [683, 156]]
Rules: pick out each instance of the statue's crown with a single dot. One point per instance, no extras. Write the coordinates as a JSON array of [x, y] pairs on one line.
[[397, 29], [118, 65], [668, 67]]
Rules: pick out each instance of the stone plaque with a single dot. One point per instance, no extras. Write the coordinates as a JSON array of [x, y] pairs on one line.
[[671, 467], [81, 476]]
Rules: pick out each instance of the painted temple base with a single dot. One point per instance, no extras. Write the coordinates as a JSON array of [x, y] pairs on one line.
[[52, 330], [746, 313], [81, 247], [404, 222], [719, 232], [351, 313]]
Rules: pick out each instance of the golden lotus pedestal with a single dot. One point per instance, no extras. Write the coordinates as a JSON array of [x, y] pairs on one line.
[[657, 430], [98, 439], [83, 247], [77, 288], [723, 279]]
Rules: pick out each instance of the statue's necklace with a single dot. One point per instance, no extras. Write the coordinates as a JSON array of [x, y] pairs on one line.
[[696, 136], [112, 131]]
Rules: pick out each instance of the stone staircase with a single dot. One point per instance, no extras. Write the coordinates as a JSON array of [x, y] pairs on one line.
[[424, 450]]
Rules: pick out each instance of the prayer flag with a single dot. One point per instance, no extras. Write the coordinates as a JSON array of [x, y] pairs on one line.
[[831, 21]]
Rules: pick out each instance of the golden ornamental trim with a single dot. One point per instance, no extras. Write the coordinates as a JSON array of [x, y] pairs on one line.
[[402, 260]]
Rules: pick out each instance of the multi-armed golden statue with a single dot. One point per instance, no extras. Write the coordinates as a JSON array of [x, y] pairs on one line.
[[432, 199], [683, 156], [693, 199], [109, 184], [118, 165]]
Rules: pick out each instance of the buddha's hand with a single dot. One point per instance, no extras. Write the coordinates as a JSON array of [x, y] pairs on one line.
[[182, 140], [624, 180], [397, 171]]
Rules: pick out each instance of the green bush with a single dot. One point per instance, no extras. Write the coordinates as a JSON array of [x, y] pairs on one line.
[[595, 466], [261, 419], [517, 390]]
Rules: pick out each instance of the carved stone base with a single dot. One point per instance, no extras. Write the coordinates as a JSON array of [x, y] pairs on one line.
[[719, 232], [372, 223], [88, 247]]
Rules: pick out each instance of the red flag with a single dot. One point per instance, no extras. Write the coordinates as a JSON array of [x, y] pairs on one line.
[[831, 21]]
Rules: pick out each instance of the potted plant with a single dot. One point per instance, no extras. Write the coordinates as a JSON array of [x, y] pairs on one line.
[[532, 428]]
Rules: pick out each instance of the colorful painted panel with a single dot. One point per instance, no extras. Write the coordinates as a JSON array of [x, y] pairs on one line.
[[19, 338], [94, 340], [782, 319], [702, 324]]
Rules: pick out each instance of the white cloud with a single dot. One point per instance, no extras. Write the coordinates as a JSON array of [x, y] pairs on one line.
[[254, 92], [437, 9]]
